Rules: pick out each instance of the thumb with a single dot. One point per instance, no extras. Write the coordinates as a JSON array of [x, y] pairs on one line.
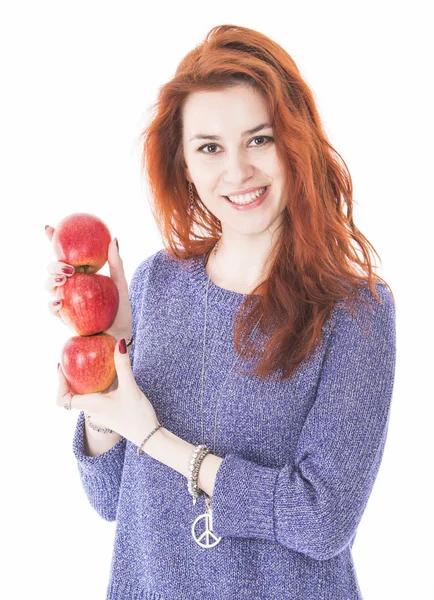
[[49, 231], [116, 266], [123, 364], [63, 387]]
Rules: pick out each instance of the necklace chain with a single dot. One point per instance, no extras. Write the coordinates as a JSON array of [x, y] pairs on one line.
[[203, 361]]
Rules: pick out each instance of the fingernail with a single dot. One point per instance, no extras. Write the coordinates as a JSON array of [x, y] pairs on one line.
[[57, 302], [58, 365], [59, 278], [116, 240], [68, 270], [122, 346], [46, 227]]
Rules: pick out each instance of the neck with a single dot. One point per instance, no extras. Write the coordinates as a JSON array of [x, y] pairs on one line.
[[238, 267]]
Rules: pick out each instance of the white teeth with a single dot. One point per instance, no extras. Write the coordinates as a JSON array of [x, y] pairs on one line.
[[247, 198]]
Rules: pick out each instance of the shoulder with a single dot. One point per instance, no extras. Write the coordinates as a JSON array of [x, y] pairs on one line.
[[361, 333], [159, 266], [142, 272], [367, 313]]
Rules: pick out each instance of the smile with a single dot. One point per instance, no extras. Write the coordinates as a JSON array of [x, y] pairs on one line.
[[249, 200]]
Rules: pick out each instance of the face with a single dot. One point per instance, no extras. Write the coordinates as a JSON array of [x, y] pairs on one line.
[[230, 158]]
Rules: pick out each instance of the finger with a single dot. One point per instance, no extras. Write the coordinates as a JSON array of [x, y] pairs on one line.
[[54, 308], [53, 282], [60, 268], [63, 388], [49, 231], [123, 367], [93, 404], [90, 403], [116, 266]]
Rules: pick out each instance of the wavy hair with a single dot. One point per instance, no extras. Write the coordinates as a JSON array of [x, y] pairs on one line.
[[313, 263]]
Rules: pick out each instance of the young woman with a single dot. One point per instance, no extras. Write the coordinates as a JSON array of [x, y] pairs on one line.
[[239, 445]]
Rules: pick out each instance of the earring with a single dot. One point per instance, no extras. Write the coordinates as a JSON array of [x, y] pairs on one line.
[[190, 195]]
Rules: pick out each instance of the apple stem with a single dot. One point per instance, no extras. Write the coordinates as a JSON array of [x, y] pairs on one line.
[[82, 269]]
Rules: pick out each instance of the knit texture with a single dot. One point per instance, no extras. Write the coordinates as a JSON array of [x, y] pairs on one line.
[[300, 457]]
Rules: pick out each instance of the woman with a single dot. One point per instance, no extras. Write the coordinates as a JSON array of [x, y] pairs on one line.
[[258, 266]]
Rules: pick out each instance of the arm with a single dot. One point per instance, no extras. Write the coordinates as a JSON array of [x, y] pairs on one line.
[[96, 442], [314, 503], [100, 475], [174, 452], [100, 456]]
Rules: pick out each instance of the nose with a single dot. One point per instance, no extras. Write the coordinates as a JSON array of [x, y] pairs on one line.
[[237, 169]]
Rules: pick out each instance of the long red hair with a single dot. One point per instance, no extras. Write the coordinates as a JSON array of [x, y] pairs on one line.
[[313, 263]]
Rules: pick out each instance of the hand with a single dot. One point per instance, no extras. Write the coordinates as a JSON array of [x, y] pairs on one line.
[[124, 409], [122, 325]]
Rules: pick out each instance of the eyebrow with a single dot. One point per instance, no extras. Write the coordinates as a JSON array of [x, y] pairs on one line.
[[203, 136]]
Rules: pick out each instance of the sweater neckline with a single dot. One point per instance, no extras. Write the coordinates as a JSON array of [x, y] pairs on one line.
[[216, 294]]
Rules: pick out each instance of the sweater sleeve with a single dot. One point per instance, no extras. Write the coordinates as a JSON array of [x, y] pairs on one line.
[[101, 475], [314, 503]]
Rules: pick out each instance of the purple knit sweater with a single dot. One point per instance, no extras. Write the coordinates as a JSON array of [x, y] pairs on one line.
[[300, 456]]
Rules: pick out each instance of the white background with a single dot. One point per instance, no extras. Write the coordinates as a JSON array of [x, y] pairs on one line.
[[78, 79]]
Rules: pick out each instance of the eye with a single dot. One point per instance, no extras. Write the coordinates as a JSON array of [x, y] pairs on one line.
[[207, 146], [267, 138]]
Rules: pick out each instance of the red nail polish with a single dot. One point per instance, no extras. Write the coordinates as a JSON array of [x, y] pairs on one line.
[[68, 270], [46, 227], [122, 346], [58, 365]]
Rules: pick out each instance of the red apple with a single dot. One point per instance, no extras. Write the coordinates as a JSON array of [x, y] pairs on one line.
[[89, 302], [82, 240], [88, 362]]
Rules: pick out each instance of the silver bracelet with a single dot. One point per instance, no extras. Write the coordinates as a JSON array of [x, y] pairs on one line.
[[92, 426], [195, 462]]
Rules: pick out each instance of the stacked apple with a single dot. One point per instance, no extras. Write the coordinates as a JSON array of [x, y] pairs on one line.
[[90, 302]]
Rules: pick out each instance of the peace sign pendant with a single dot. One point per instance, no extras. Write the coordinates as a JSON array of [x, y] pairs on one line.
[[208, 534]]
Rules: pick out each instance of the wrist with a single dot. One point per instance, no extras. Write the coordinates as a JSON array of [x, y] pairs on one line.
[[95, 426], [157, 441]]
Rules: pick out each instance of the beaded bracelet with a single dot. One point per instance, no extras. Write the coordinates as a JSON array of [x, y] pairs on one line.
[[140, 450], [195, 462], [94, 427]]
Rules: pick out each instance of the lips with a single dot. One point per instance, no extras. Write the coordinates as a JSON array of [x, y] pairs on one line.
[[250, 205], [248, 191], [264, 187]]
